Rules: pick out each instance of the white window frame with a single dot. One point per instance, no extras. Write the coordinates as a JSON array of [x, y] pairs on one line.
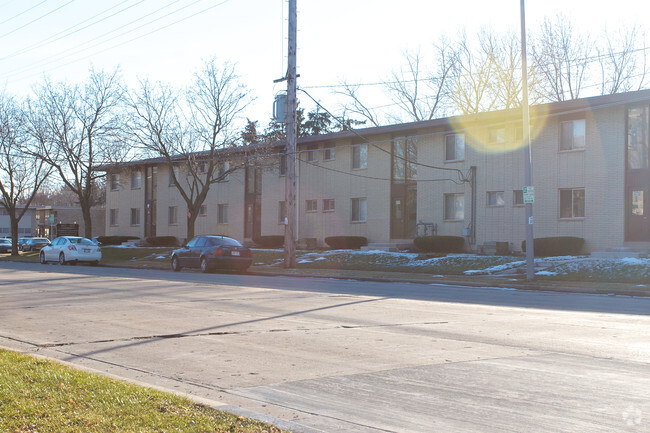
[[495, 199], [282, 212], [136, 179], [360, 157], [329, 153], [578, 142], [203, 210], [574, 215], [454, 214], [115, 182], [312, 153], [518, 198], [459, 147], [359, 210], [329, 205], [311, 206], [497, 135], [114, 217], [172, 215], [135, 217], [222, 213]]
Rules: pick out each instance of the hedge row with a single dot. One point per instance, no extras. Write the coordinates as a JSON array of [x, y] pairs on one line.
[[440, 244], [271, 241], [556, 246], [346, 242], [162, 241], [115, 240]]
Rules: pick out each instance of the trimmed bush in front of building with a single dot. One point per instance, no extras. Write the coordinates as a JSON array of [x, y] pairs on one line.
[[346, 242], [115, 240], [270, 241], [440, 244], [162, 241], [556, 246]]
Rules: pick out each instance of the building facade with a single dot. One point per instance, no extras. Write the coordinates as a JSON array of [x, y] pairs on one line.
[[460, 176]]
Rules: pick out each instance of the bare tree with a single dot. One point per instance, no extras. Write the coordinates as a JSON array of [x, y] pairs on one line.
[[21, 174], [419, 92], [561, 58], [80, 128], [192, 130], [622, 61]]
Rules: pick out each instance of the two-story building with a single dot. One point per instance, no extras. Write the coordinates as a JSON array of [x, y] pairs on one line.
[[461, 175]]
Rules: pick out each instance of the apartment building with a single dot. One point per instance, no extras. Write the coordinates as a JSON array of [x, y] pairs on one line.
[[461, 175]]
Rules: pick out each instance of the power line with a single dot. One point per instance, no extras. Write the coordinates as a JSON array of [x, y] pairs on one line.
[[62, 34], [21, 13], [36, 19]]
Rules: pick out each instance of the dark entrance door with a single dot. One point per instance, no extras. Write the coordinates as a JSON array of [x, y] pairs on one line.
[[150, 185], [253, 203], [638, 224], [403, 189]]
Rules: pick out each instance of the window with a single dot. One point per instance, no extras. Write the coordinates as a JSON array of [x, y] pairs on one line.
[[328, 205], [572, 134], [222, 213], [404, 161], [136, 179], [359, 210], [282, 212], [455, 147], [497, 135], [455, 207], [329, 153], [637, 138], [113, 217], [172, 216], [518, 197], [360, 156], [203, 167], [171, 176], [135, 216], [311, 206], [312, 153], [572, 203], [203, 210], [495, 199], [222, 171], [115, 182], [283, 165]]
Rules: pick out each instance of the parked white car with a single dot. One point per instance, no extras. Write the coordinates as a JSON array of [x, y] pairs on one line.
[[71, 249]]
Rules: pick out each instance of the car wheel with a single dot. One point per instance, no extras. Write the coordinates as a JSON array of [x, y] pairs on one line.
[[176, 266], [204, 265], [62, 259], [41, 258]]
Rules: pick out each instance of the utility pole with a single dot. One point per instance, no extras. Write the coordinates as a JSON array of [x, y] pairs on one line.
[[290, 180], [529, 196]]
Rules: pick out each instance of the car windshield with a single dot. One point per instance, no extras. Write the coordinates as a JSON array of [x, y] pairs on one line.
[[38, 240], [229, 242], [5, 241]]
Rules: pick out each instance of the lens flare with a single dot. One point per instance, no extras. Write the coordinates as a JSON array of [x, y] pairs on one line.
[[501, 132]]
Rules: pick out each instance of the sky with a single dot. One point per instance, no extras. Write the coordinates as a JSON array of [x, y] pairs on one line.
[[357, 41]]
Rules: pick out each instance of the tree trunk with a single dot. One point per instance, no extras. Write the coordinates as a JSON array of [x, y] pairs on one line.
[[14, 232], [88, 227], [191, 222]]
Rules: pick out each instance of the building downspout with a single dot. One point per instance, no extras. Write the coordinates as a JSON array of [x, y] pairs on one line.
[[472, 183]]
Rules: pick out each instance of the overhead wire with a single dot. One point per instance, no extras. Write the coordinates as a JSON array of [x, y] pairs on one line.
[[62, 34], [36, 19], [21, 13]]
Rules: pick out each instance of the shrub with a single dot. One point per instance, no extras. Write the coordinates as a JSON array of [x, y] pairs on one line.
[[346, 242], [162, 241], [115, 240], [556, 246], [271, 241], [440, 244]]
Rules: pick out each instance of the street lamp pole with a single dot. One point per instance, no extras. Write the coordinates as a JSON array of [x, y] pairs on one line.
[[528, 176]]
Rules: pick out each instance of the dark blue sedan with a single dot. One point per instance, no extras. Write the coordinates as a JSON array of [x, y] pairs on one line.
[[208, 253]]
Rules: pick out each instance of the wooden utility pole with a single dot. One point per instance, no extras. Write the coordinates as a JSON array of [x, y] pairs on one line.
[[529, 196], [290, 181]]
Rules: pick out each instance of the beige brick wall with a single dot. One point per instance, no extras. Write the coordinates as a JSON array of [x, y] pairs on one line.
[[599, 169]]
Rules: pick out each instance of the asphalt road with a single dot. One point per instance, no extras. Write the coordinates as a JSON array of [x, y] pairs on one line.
[[316, 354]]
